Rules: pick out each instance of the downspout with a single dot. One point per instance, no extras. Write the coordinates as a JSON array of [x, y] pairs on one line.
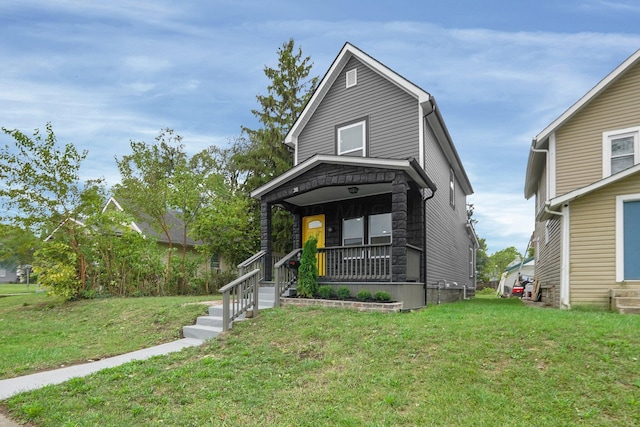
[[564, 254], [424, 245], [424, 200]]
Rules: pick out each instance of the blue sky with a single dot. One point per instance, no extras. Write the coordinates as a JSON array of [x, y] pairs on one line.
[[105, 73]]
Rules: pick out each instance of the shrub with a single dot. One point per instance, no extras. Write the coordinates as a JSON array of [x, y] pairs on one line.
[[486, 291], [325, 292], [382, 296], [343, 292], [218, 279], [363, 295], [308, 270]]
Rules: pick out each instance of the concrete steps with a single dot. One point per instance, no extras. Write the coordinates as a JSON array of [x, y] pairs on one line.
[[210, 326], [625, 301]]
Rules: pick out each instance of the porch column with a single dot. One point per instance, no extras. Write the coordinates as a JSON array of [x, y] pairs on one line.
[[297, 230], [399, 227], [265, 238]]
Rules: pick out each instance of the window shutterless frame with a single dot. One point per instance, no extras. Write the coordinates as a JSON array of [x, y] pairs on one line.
[[351, 138], [620, 150]]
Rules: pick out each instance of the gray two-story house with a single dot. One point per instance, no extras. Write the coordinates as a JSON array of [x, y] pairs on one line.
[[377, 179]]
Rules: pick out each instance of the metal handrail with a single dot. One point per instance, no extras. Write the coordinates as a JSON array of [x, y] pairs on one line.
[[283, 275], [239, 296], [253, 262]]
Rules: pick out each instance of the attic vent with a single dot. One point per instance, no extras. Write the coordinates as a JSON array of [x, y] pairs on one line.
[[352, 77]]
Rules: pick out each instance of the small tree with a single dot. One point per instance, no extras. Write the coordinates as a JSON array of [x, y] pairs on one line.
[[308, 271]]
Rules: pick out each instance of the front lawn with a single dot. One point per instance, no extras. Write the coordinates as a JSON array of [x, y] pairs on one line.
[[38, 332], [17, 288], [485, 362]]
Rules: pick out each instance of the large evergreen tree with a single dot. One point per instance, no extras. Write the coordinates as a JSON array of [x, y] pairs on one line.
[[264, 155]]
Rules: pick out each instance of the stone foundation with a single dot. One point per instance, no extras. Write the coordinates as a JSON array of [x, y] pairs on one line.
[[389, 307]]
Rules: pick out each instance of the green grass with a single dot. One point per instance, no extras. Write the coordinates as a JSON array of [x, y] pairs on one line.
[[17, 288], [38, 332], [485, 362]]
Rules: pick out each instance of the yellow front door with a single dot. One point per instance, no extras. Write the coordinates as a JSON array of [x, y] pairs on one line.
[[314, 226]]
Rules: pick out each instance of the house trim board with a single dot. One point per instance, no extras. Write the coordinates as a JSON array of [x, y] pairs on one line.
[[410, 166], [565, 235], [551, 167], [572, 195]]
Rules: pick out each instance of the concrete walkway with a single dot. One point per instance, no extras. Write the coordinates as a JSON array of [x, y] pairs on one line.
[[12, 386]]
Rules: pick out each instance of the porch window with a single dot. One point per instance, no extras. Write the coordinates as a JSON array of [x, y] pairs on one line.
[[627, 237], [353, 231], [380, 229], [620, 150], [351, 139]]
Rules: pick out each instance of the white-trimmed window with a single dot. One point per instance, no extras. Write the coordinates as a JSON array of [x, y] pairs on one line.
[[3, 272], [352, 139], [620, 150], [353, 231], [452, 188], [380, 229], [547, 226], [627, 237]]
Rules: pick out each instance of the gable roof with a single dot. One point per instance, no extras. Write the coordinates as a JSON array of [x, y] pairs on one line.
[[142, 226], [424, 98], [536, 161]]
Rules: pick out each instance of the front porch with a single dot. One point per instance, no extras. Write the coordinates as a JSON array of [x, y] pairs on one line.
[[368, 215]]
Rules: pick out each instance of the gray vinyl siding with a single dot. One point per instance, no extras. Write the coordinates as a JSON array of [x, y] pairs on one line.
[[447, 239], [392, 115]]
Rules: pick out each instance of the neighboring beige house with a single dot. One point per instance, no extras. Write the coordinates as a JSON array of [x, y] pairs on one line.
[[584, 171]]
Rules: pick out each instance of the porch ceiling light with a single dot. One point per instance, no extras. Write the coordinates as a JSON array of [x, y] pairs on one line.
[[353, 190]]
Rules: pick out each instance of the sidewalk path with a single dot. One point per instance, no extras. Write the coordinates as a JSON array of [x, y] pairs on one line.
[[12, 386]]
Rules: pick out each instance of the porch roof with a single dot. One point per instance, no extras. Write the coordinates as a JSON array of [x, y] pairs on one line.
[[410, 166]]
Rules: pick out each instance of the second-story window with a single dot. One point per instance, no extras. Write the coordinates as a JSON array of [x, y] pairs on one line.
[[621, 150], [352, 139]]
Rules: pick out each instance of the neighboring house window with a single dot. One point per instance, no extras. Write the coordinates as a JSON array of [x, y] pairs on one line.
[[380, 229], [3, 272], [352, 139], [547, 224], [352, 78], [215, 262], [452, 188], [472, 264], [627, 237], [353, 231], [620, 150]]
